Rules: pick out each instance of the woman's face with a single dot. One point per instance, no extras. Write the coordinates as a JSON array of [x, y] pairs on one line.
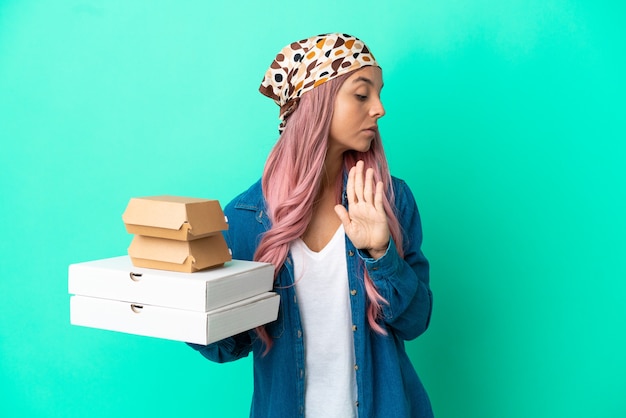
[[358, 107]]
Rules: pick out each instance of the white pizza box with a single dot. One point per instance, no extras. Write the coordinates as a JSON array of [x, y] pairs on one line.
[[174, 324], [118, 279]]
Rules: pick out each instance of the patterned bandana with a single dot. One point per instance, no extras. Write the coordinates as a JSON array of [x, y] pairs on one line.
[[304, 65]]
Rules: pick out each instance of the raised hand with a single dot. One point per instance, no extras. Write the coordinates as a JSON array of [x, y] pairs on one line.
[[365, 221]]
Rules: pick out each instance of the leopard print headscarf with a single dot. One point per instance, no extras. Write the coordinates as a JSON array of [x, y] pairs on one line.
[[301, 66]]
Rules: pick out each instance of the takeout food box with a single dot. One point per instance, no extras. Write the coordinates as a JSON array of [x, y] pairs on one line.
[[174, 324], [201, 308], [117, 278], [181, 256], [174, 217]]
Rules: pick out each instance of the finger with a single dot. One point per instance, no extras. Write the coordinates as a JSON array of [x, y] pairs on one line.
[[358, 181], [343, 215], [368, 191], [378, 199], [350, 186]]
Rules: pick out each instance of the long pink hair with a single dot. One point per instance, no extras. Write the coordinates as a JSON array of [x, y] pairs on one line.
[[292, 180]]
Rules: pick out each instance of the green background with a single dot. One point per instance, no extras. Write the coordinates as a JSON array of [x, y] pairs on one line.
[[507, 119]]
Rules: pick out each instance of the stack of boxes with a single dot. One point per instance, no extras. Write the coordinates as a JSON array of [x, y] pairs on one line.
[[176, 233], [151, 291]]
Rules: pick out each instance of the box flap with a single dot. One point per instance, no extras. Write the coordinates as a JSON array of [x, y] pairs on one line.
[[206, 217], [158, 216], [209, 251]]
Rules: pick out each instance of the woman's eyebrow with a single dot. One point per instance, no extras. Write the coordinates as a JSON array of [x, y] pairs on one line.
[[365, 80]]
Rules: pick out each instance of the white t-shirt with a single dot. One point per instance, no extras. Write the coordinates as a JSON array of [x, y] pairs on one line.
[[324, 303]]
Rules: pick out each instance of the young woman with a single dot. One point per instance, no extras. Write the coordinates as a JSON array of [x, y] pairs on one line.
[[344, 236]]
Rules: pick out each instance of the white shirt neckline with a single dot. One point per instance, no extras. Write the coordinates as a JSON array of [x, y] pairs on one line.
[[329, 245]]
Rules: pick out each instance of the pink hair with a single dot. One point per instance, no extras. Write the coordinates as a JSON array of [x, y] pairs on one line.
[[292, 180]]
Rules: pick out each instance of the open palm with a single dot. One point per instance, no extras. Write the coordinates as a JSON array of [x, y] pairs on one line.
[[365, 221]]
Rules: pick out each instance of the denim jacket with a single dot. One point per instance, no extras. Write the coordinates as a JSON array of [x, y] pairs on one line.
[[387, 384]]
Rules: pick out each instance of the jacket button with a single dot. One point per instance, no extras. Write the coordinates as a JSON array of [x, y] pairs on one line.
[[353, 327], [299, 334], [351, 253], [356, 367], [353, 292]]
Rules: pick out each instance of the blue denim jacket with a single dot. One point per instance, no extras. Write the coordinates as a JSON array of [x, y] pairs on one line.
[[387, 384]]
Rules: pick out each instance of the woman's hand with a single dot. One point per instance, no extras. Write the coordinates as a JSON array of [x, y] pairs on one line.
[[365, 221]]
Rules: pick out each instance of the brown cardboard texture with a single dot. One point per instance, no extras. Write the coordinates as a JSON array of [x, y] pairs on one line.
[[174, 217], [182, 256]]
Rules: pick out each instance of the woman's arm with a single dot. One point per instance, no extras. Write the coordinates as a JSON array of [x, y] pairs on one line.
[[228, 349], [404, 282]]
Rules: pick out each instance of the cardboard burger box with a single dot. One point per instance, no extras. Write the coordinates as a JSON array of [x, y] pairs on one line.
[[201, 308], [176, 233], [181, 256], [174, 217]]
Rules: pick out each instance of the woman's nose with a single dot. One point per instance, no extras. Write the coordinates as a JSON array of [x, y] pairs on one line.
[[377, 110]]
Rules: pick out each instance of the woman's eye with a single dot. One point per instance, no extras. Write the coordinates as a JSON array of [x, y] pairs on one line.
[[361, 97]]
